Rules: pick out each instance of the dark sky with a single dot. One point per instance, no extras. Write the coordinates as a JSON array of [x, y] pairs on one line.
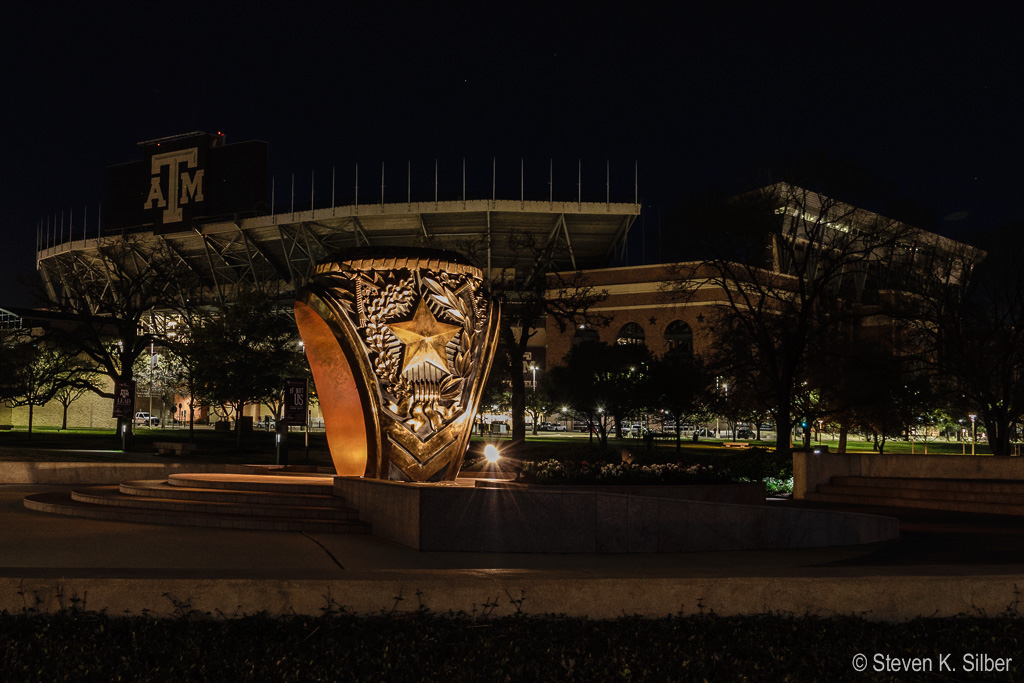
[[700, 98]]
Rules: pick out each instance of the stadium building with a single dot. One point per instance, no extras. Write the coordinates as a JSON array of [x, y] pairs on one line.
[[212, 206]]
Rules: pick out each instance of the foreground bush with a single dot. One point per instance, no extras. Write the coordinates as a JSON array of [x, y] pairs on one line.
[[753, 465], [585, 472], [420, 646]]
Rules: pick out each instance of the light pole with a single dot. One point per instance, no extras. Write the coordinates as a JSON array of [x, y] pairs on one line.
[[533, 369], [152, 369], [718, 390], [963, 439], [974, 431], [821, 425]]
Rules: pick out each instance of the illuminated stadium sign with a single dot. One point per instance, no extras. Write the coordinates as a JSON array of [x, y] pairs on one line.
[[186, 177]]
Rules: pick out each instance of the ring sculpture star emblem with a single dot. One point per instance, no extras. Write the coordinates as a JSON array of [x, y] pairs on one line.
[[400, 343]]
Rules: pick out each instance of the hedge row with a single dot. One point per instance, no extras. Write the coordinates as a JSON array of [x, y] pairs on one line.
[[421, 646]]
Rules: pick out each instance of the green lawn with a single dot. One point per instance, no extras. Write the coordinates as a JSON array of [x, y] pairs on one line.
[[258, 446]]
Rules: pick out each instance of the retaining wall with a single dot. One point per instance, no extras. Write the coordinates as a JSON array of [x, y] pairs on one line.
[[538, 520], [811, 469]]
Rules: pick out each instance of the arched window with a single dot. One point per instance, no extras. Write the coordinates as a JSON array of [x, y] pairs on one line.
[[679, 337], [631, 333], [583, 334]]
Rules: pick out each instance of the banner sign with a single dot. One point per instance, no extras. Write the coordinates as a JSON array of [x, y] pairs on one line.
[[124, 399], [296, 401]]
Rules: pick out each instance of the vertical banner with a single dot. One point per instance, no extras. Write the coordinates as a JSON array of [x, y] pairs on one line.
[[296, 401], [124, 399]]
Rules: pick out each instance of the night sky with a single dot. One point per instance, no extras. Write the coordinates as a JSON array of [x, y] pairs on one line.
[[702, 99]]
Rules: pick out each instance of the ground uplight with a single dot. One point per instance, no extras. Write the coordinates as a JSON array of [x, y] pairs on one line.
[[491, 453]]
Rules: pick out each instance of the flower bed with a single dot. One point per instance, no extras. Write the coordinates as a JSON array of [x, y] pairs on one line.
[[584, 472]]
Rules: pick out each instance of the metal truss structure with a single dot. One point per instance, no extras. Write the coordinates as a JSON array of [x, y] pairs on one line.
[[278, 252]]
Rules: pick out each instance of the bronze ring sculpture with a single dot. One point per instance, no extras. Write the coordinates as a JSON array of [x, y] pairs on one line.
[[400, 343]]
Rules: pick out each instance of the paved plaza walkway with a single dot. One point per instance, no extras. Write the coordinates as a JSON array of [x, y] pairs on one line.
[[944, 564]]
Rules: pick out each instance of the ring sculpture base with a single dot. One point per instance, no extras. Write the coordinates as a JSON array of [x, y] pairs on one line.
[[400, 344]]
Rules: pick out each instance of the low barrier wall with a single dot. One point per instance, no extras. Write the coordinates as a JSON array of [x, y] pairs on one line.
[[538, 520], [811, 469], [94, 472]]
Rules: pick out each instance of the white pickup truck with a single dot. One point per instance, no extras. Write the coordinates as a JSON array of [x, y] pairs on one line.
[[146, 419]]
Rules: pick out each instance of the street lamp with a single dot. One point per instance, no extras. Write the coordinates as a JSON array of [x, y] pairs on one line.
[[974, 431], [821, 424], [152, 368], [533, 368]]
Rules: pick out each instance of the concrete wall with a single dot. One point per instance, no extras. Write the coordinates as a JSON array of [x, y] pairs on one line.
[[810, 469], [94, 472], [898, 597], [541, 520]]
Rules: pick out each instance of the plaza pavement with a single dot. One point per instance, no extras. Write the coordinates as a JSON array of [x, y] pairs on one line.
[[944, 564]]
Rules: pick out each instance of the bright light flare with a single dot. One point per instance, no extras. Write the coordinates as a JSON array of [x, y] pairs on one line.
[[491, 453]]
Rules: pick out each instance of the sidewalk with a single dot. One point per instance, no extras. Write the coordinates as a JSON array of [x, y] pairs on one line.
[[945, 564]]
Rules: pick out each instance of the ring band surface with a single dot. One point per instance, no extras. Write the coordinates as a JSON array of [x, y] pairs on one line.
[[400, 344]]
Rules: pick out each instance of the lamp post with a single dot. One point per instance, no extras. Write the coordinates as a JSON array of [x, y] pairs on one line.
[[974, 431], [821, 425], [533, 369], [718, 390], [152, 369], [963, 439]]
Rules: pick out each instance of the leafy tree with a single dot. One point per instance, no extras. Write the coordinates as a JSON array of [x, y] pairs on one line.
[[539, 401], [8, 362], [42, 369], [604, 383], [679, 384], [161, 374], [81, 378], [244, 353]]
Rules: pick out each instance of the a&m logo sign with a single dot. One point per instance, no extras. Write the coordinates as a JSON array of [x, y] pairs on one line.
[[175, 183]]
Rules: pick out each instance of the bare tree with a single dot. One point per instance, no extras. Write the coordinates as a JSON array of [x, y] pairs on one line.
[[530, 294], [109, 294], [785, 267], [974, 326]]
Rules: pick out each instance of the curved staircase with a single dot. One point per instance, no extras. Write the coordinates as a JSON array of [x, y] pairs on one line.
[[272, 502]]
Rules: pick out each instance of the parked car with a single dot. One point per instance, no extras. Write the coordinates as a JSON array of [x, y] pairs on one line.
[[146, 419], [550, 427]]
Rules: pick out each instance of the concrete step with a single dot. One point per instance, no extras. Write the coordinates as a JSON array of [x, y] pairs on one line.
[[972, 485], [864, 496], [113, 497], [938, 494], [160, 488], [323, 485], [62, 503]]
